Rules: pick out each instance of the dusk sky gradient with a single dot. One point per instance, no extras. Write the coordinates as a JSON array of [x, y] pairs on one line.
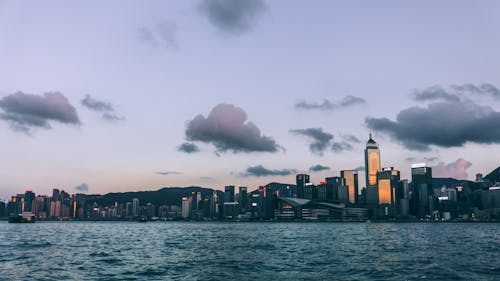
[[110, 96]]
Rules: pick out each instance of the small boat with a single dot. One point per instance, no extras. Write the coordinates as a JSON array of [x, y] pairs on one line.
[[142, 219], [26, 217]]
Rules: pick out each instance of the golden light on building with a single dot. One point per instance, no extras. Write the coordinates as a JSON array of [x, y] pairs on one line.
[[351, 180], [384, 191], [372, 162]]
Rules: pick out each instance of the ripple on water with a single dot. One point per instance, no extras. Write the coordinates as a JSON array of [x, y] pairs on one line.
[[250, 251]]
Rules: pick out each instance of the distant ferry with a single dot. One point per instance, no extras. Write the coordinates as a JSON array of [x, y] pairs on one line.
[[22, 218]]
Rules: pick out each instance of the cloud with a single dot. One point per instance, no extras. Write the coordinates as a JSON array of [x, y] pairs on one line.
[[82, 187], [481, 89], [318, 168], [320, 139], [456, 92], [188, 147], [351, 138], [443, 124], [435, 93], [260, 171], [105, 108], [226, 127], [97, 105], [425, 159], [341, 146], [233, 17], [162, 34], [168, 173], [25, 112], [328, 105], [360, 169], [457, 169]]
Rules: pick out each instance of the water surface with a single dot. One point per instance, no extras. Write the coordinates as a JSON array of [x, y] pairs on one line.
[[249, 251]]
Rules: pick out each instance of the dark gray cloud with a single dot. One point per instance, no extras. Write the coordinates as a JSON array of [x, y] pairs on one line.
[[260, 171], [480, 89], [457, 169], [425, 159], [226, 127], [97, 105], [410, 159], [341, 146], [161, 35], [105, 108], [318, 168], [456, 92], [25, 112], [320, 139], [351, 138], [435, 93], [360, 169], [82, 187], [345, 144], [443, 124], [168, 173], [188, 147], [328, 105], [233, 17]]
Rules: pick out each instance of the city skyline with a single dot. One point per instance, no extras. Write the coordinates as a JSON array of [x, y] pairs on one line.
[[120, 97]]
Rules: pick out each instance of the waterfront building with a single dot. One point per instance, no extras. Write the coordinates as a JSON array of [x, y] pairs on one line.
[[186, 207], [135, 207], [403, 197], [231, 210], [301, 180], [351, 180], [372, 162], [229, 193], [29, 197], [387, 181], [243, 198], [422, 190], [337, 191]]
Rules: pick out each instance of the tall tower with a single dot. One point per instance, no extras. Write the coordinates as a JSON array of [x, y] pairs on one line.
[[301, 180], [351, 180], [372, 162], [421, 181]]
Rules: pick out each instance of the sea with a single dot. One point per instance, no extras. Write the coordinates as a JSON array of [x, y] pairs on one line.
[[249, 251]]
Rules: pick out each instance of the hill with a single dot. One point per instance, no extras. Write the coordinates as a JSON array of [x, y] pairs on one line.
[[163, 196]]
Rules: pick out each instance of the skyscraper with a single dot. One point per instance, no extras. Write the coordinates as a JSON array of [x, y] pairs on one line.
[[186, 207], [135, 207], [372, 162], [302, 180], [243, 197], [422, 193], [351, 180], [387, 181], [229, 193], [29, 197]]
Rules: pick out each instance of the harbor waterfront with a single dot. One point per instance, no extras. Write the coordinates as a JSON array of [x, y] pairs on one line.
[[249, 251]]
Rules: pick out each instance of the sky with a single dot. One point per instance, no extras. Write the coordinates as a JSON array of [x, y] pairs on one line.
[[115, 96]]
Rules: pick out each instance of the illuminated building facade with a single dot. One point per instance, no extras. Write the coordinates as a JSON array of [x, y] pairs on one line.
[[372, 162], [388, 180], [351, 180]]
